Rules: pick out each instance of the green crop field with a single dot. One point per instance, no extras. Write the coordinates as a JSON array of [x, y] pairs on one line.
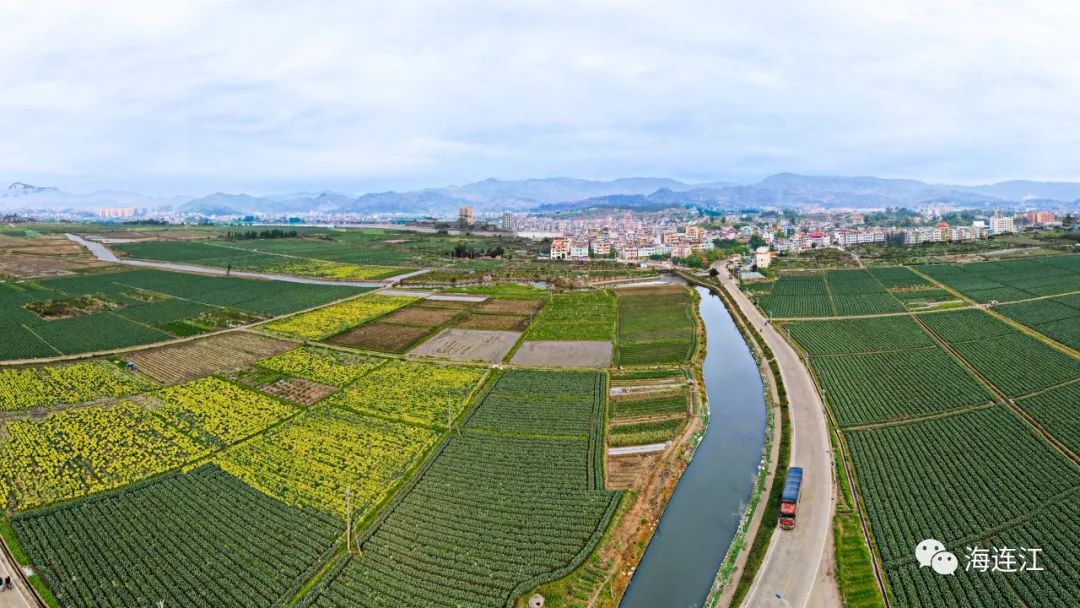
[[835, 293], [1010, 280], [141, 307], [467, 533], [858, 335], [795, 306], [1056, 410], [659, 402], [898, 277], [197, 539], [965, 325], [1019, 364], [1055, 318], [576, 315], [542, 403], [655, 326], [878, 387], [261, 256], [645, 433], [968, 479]]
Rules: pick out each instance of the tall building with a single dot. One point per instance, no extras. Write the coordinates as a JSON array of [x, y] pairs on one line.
[[465, 216], [1000, 224], [508, 221]]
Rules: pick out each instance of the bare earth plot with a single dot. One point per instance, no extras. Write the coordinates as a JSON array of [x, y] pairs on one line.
[[189, 360], [383, 337], [469, 345], [564, 353]]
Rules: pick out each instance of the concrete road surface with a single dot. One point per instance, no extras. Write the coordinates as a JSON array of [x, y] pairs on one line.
[[791, 564]]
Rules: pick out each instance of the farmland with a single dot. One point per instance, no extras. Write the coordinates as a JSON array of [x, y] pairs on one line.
[[462, 534], [858, 335], [321, 365], [576, 315], [1056, 411], [141, 307], [876, 387], [149, 543], [61, 384], [234, 255], [311, 460], [644, 433], [542, 403], [77, 452], [1000, 475], [1010, 280], [933, 406], [336, 318], [655, 325], [421, 393]]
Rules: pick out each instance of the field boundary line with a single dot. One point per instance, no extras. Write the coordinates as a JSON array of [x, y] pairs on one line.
[[43, 340], [179, 340], [962, 409], [1035, 426]]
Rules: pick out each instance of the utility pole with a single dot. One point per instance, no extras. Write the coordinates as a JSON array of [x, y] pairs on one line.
[[348, 519]]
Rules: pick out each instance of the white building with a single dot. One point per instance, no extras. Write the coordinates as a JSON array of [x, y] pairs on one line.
[[579, 249], [1001, 225], [762, 257]]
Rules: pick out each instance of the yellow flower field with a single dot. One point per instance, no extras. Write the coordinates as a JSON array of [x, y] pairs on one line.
[[414, 392], [216, 412], [336, 270], [63, 384], [336, 318], [311, 460], [321, 365], [77, 452]]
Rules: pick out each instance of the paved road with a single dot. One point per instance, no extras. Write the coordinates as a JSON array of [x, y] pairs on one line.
[[15, 598], [794, 557], [105, 254]]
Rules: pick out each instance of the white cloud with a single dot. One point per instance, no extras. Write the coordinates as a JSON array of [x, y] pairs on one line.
[[255, 96]]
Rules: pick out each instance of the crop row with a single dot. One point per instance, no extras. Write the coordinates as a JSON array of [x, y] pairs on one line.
[[423, 393], [1019, 364], [312, 460], [654, 326], [61, 384], [336, 318], [542, 403], [197, 539], [877, 387], [321, 365], [664, 402], [72, 453], [645, 433], [859, 335], [576, 315], [1010, 280], [953, 478], [491, 517]]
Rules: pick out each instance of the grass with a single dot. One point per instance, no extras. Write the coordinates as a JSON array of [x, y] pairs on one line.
[[854, 569]]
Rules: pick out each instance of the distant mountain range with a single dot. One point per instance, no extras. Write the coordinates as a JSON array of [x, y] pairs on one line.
[[566, 194]]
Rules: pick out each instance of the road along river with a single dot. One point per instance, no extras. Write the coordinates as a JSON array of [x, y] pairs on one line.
[[701, 518]]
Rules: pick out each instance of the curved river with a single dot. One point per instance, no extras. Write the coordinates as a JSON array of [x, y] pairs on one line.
[[700, 521]]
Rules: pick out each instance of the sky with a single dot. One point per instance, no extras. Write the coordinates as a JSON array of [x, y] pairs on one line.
[[279, 96]]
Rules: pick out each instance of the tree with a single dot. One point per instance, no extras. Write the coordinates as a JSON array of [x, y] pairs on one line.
[[755, 242]]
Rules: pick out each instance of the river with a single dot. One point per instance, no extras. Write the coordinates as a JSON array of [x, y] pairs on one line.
[[700, 521]]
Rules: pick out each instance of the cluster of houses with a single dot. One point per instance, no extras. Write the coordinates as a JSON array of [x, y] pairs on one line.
[[848, 236], [630, 240]]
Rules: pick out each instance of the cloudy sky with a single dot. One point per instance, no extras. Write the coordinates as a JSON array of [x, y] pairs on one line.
[[193, 96]]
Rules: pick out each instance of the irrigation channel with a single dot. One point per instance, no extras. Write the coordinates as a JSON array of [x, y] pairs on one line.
[[701, 518]]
